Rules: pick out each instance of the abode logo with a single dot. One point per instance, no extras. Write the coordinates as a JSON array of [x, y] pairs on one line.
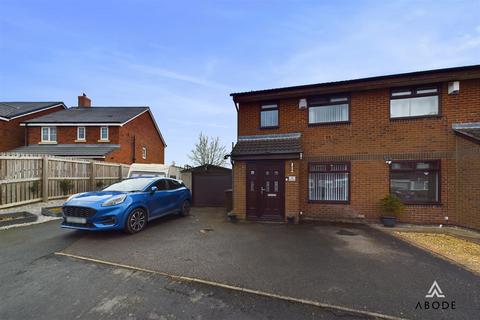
[[436, 293]]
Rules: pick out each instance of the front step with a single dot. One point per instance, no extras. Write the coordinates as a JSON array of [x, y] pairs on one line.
[[359, 219]]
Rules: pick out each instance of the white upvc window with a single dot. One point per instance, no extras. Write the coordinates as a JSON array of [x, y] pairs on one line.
[[104, 133], [144, 152], [49, 134], [81, 134]]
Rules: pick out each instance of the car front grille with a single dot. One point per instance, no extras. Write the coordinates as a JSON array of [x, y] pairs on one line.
[[81, 212]]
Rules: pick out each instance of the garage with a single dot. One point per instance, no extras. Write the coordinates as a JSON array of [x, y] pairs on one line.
[[208, 184]]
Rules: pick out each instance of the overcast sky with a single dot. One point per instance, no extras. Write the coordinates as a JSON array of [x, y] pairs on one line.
[[183, 59]]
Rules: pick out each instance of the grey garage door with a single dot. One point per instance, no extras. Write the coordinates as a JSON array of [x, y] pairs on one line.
[[209, 189]]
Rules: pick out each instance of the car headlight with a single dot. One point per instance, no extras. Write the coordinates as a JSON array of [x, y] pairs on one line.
[[114, 200]]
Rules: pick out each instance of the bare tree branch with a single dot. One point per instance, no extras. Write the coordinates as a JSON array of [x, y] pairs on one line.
[[208, 151]]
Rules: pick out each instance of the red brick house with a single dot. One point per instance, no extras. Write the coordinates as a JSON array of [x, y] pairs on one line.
[[14, 113], [333, 150], [115, 134]]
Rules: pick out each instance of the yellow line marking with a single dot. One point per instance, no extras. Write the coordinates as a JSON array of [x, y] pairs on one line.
[[234, 288]]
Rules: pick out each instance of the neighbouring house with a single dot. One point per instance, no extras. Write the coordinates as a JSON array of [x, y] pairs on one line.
[[116, 134], [13, 113], [208, 184], [331, 151]]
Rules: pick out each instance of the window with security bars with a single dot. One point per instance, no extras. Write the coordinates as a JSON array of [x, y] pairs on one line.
[[329, 182]]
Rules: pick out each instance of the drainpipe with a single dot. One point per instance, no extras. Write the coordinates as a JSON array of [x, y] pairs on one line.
[[26, 134], [133, 157]]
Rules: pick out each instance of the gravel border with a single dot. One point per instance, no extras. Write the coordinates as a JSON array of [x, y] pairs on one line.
[[34, 208]]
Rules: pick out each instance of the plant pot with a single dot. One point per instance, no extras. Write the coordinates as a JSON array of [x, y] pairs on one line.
[[232, 217], [388, 221], [291, 220]]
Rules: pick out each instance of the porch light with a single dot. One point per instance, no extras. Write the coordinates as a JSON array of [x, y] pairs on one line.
[[302, 103]]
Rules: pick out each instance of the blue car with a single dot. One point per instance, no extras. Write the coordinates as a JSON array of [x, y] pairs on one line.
[[127, 205]]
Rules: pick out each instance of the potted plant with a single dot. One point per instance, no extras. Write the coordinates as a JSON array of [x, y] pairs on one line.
[[392, 207], [232, 216]]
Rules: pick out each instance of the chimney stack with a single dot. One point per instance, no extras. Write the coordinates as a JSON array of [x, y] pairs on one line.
[[84, 101]]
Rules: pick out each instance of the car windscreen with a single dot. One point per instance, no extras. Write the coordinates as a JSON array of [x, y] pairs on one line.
[[130, 185], [136, 174]]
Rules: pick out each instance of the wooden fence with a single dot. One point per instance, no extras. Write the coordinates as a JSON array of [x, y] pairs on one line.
[[31, 178]]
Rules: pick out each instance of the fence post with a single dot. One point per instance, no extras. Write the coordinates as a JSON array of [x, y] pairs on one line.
[[93, 185], [120, 172], [45, 179]]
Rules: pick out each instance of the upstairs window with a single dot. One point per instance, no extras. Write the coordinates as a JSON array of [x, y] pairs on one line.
[[415, 182], [269, 116], [329, 182], [328, 109], [144, 153], [414, 102], [49, 134], [104, 133], [81, 134]]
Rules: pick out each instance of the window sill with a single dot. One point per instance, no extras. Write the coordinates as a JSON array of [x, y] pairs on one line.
[[48, 142], [427, 204], [327, 202], [269, 128], [436, 116], [328, 123], [81, 141], [103, 141]]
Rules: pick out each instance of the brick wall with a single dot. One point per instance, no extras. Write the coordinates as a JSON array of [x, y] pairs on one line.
[[292, 189], [13, 135], [367, 139], [468, 184], [239, 189], [146, 135], [68, 135]]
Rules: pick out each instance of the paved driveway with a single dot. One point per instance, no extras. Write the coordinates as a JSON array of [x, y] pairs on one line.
[[351, 266]]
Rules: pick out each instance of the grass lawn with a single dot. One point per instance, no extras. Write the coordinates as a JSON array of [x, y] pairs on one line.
[[463, 252]]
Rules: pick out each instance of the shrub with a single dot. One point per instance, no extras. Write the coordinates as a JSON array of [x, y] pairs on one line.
[[66, 186], [34, 187], [100, 184], [392, 206]]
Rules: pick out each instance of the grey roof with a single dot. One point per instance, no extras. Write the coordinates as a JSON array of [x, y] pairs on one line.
[[14, 109], [272, 144], [471, 130], [91, 115], [69, 150]]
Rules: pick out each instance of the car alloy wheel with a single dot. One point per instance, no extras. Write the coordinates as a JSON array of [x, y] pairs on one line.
[[185, 208], [137, 221]]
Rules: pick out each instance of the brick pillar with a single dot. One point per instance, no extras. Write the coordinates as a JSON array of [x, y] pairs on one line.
[[292, 189], [239, 189]]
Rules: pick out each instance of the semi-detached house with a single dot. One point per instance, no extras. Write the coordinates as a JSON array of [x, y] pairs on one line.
[[115, 134], [331, 151]]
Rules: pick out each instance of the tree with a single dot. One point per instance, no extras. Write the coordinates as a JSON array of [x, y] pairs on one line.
[[208, 151]]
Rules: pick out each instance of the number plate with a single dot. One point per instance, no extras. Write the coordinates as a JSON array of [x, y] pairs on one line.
[[76, 220]]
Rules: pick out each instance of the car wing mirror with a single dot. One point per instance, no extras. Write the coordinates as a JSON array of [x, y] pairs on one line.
[[153, 189]]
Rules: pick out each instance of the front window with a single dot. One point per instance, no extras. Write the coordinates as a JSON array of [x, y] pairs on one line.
[[414, 102], [49, 134], [415, 181], [329, 182], [81, 135], [328, 109], [269, 116], [104, 133], [130, 185]]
